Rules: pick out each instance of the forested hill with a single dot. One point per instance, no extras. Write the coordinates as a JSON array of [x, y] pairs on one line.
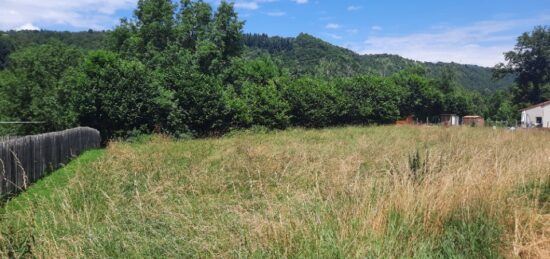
[[11, 41], [306, 54], [83, 39], [303, 55]]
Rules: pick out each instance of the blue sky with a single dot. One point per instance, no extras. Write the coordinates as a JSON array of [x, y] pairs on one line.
[[467, 31]]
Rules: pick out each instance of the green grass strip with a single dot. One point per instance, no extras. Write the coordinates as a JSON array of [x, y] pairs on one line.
[[44, 187]]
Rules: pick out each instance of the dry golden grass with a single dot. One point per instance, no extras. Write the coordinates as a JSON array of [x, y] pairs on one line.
[[346, 192]]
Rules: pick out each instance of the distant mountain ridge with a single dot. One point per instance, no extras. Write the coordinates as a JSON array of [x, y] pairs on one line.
[[302, 55], [308, 55], [11, 41]]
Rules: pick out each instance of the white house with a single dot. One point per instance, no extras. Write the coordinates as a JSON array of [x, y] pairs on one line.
[[537, 115]]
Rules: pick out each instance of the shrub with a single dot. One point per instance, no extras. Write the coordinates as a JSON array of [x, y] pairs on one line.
[[114, 96], [313, 102]]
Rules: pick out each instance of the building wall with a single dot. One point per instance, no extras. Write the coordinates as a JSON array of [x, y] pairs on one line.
[[535, 112], [455, 120], [450, 119], [473, 121], [409, 120], [546, 116]]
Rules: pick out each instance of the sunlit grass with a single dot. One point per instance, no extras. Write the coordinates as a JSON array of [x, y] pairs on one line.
[[343, 192]]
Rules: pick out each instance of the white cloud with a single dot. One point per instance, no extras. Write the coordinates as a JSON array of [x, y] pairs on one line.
[[276, 13], [482, 43], [352, 8], [333, 26], [300, 1], [27, 27], [247, 5], [334, 36], [243, 4], [376, 28], [80, 14]]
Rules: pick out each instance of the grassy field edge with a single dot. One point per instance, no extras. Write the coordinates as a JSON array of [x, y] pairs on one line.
[[354, 192], [44, 187]]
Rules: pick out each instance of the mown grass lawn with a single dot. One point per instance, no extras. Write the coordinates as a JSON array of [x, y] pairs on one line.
[[343, 192]]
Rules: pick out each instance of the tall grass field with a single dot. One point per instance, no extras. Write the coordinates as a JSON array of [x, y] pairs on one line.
[[369, 192]]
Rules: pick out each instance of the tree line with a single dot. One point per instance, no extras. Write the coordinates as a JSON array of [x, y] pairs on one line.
[[180, 69]]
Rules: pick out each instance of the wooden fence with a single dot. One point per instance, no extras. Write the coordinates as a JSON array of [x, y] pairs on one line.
[[23, 160]]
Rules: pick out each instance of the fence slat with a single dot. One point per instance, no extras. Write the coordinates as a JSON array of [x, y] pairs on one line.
[[25, 159]]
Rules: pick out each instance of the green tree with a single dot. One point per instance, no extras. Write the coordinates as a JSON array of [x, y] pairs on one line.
[[327, 69], [459, 102], [259, 70], [115, 96], [255, 95], [123, 39], [190, 51], [370, 99], [6, 47], [193, 22], [200, 101], [196, 98], [213, 38], [530, 61], [223, 42], [313, 102], [228, 31], [151, 31], [258, 105], [155, 23], [32, 86], [506, 112], [421, 98], [501, 108]]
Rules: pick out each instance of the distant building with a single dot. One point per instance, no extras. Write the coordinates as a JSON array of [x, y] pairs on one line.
[[409, 120], [473, 120], [537, 115], [450, 119]]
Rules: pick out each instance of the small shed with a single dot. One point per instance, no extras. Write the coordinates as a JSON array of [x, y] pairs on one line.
[[473, 120], [409, 120], [450, 119]]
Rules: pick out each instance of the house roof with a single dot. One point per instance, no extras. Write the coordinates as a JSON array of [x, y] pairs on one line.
[[536, 105], [472, 117]]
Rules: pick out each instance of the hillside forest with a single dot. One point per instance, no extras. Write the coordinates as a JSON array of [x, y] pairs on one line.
[[188, 70]]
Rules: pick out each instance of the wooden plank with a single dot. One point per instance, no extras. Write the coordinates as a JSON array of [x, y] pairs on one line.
[[24, 160]]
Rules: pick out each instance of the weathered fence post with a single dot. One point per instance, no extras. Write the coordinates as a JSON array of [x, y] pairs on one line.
[[24, 160]]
